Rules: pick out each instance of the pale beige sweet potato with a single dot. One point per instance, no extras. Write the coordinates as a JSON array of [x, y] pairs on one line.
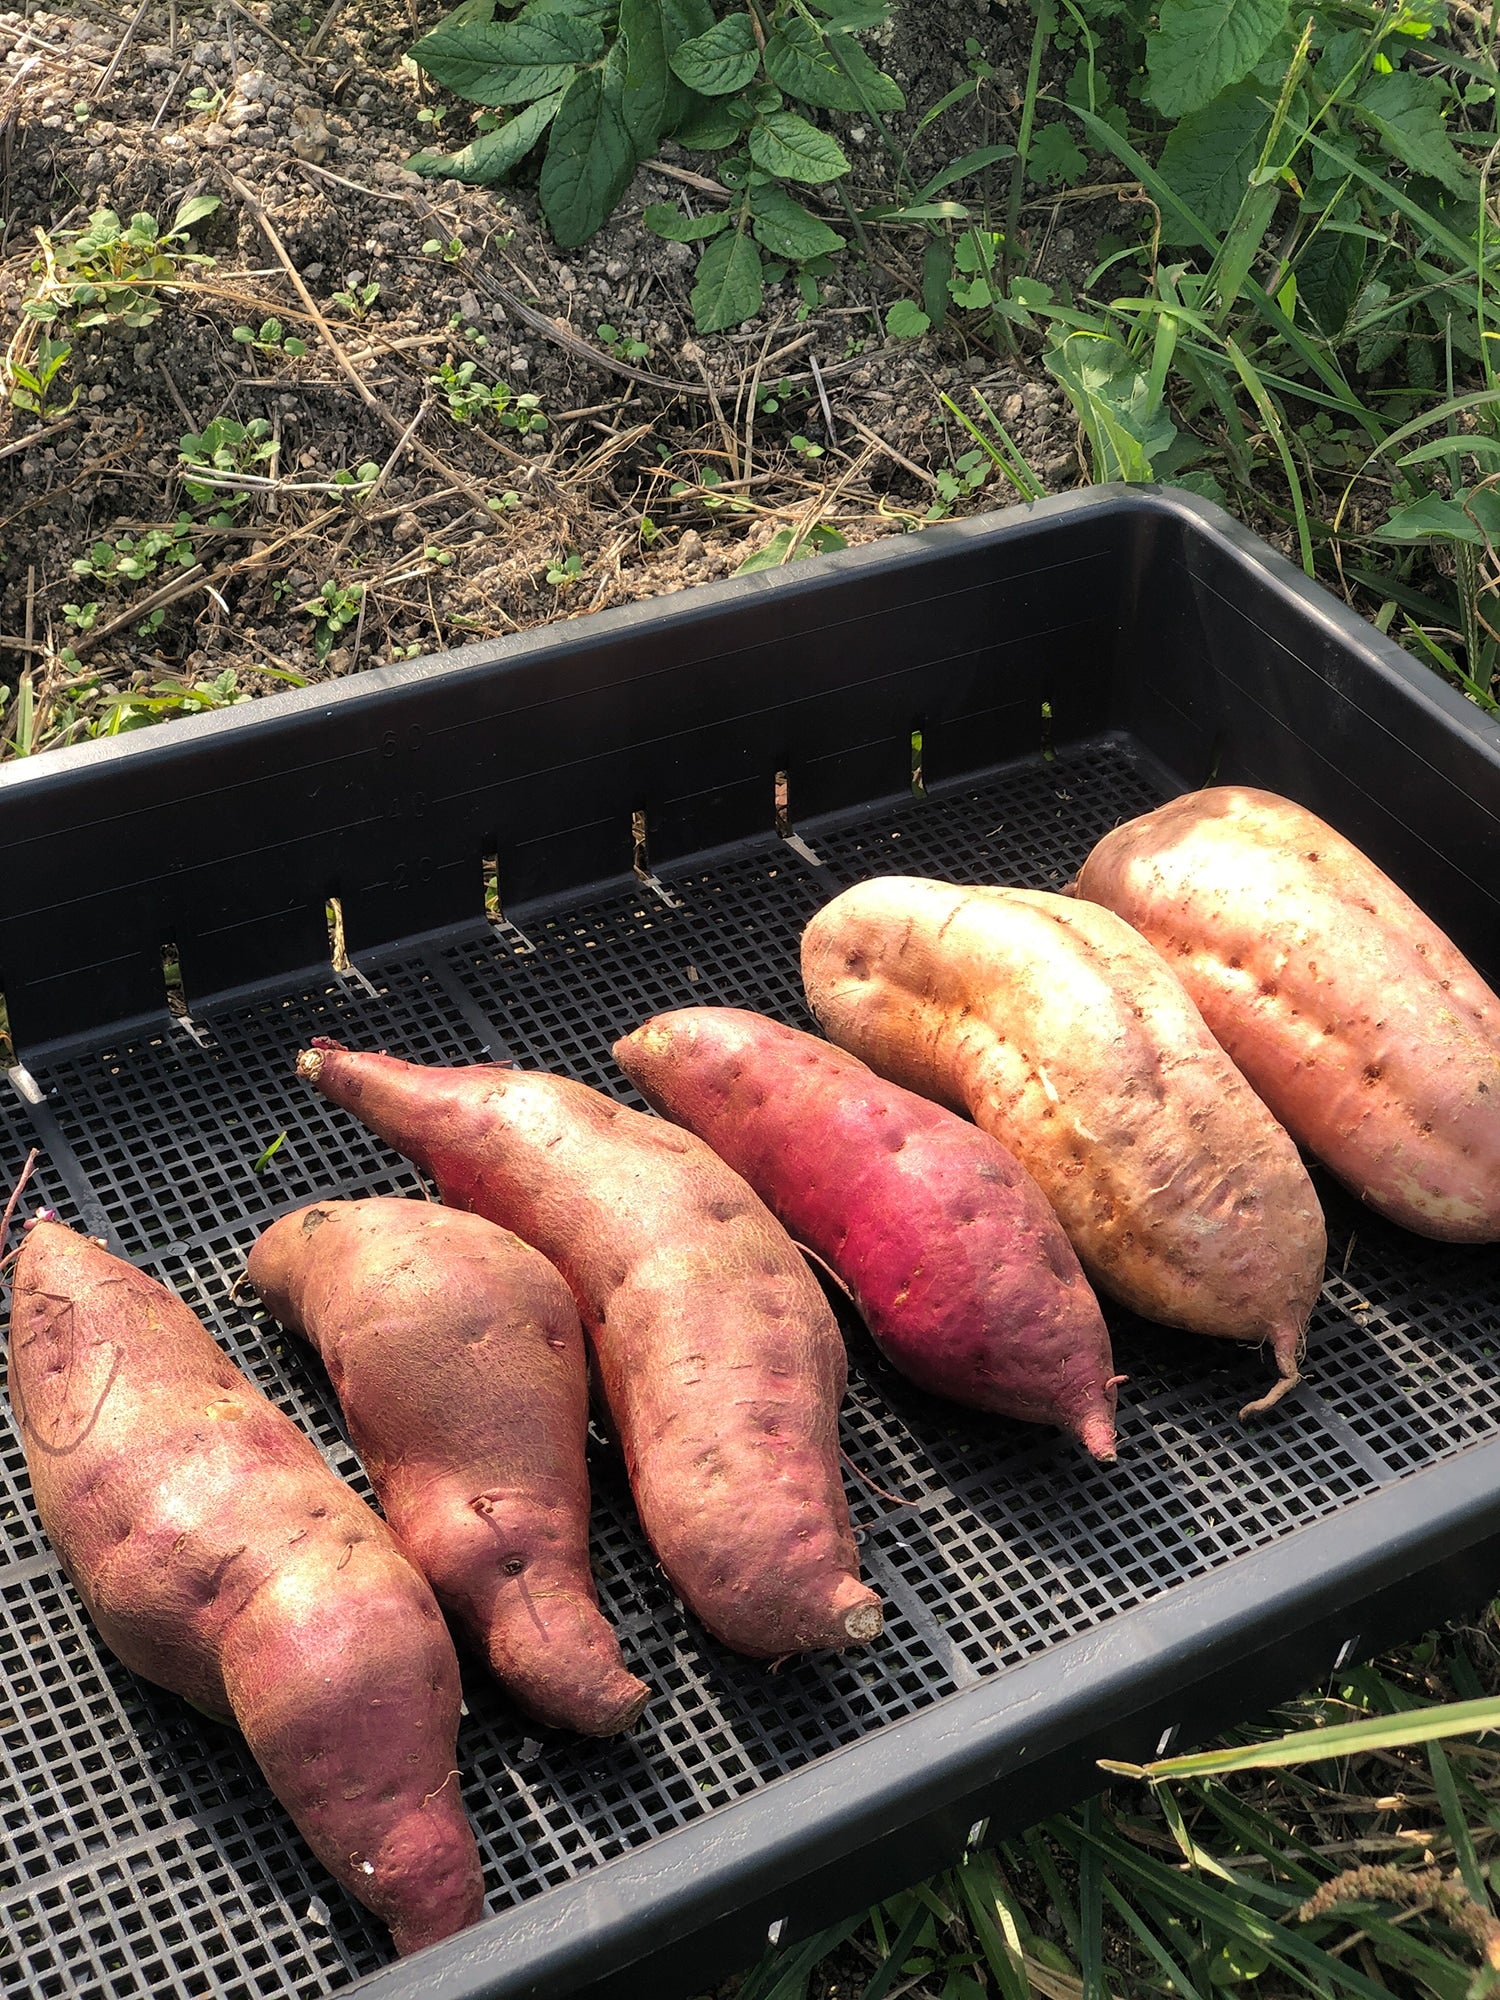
[[1062, 1032], [1368, 1034], [456, 1353], [719, 1359], [220, 1558]]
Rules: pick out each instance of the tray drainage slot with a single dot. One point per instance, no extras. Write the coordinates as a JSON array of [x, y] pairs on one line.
[[784, 825], [502, 926], [642, 863]]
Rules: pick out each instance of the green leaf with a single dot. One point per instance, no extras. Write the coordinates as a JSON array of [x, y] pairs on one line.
[[785, 144], [877, 91], [512, 63], [590, 158], [648, 80], [730, 283], [784, 547], [1407, 111], [685, 19], [844, 16], [786, 228], [1329, 272], [709, 124], [1053, 157], [971, 163], [1201, 45], [492, 155], [1209, 157], [1452, 521], [1126, 424], [664, 220], [720, 62], [798, 58], [906, 321], [193, 210]]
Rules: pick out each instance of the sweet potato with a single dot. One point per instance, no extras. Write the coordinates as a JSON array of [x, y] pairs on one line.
[[719, 1359], [1063, 1033], [953, 1256], [456, 1353], [220, 1557], [1374, 1042]]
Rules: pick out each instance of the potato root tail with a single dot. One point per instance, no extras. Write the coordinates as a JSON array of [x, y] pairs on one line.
[[1288, 1349]]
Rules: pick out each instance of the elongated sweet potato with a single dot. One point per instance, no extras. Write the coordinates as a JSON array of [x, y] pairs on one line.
[[456, 1353], [1063, 1033], [959, 1266], [719, 1359], [1372, 1039], [221, 1558]]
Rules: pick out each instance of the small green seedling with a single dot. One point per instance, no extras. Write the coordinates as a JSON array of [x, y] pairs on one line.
[[112, 273], [471, 400], [623, 348], [31, 381], [451, 251], [270, 339], [357, 299], [224, 445], [335, 607], [561, 574], [130, 560], [804, 447], [264, 1159]]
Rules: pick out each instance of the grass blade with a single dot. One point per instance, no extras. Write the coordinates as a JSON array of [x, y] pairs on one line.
[[1091, 1907], [1270, 416], [1315, 1746]]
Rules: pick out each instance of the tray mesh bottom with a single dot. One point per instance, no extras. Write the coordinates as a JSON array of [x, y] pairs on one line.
[[139, 1851]]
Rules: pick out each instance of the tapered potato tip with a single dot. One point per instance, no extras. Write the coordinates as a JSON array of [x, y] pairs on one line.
[[859, 1611], [1096, 1434], [1288, 1348]]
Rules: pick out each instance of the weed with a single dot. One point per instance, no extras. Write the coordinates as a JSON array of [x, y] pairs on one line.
[[270, 338], [470, 399], [618, 344], [561, 574], [804, 447], [112, 273], [32, 378], [335, 607], [793, 545], [356, 300], [224, 445], [132, 560], [451, 251]]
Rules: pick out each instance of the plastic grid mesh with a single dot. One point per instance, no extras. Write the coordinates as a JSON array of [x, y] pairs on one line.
[[139, 1850]]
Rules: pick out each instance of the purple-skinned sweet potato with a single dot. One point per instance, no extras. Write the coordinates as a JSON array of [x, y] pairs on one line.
[[220, 1558], [719, 1359], [950, 1250], [1360, 1023], [1061, 1031], [456, 1353]]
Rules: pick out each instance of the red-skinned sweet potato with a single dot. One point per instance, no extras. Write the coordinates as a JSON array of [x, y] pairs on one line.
[[719, 1359], [220, 1557], [1063, 1033], [959, 1266], [1372, 1039], [456, 1352]]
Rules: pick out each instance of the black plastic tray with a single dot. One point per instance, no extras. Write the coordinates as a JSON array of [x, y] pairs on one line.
[[667, 793]]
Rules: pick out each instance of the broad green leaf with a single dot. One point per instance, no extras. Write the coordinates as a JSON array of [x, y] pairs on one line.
[[798, 58], [1407, 111], [784, 547], [1126, 424], [847, 15], [786, 228], [785, 144], [1209, 157], [685, 19], [492, 155], [1451, 521], [645, 31], [1053, 157], [720, 62], [731, 283], [1202, 45], [709, 124], [590, 158], [193, 210], [664, 220], [877, 91], [906, 321], [1329, 272], [512, 63]]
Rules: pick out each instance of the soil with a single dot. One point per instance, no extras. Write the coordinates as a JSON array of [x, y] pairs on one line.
[[474, 530]]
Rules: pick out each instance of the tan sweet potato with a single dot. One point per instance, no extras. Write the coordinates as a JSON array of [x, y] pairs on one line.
[[1372, 1039], [959, 1266], [456, 1353], [220, 1557], [719, 1359], [1063, 1033]]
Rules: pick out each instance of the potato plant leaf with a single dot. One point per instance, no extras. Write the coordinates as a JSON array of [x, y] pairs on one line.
[[798, 58], [492, 155], [644, 30], [877, 91], [590, 158], [720, 62], [786, 228], [708, 125], [731, 283], [513, 62], [1407, 111], [662, 219], [1202, 45], [1209, 157], [785, 144]]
